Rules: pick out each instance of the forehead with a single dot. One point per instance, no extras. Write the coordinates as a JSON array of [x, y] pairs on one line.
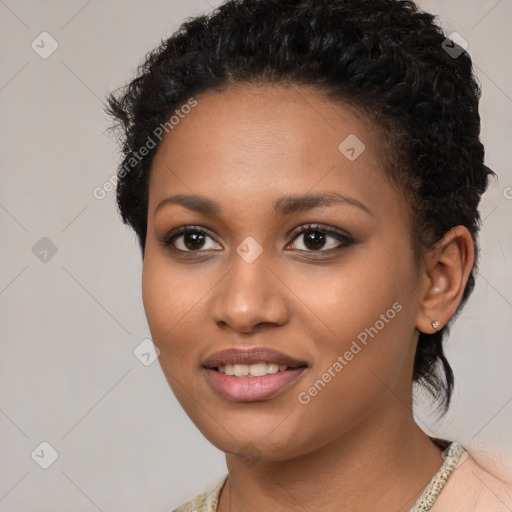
[[279, 117], [241, 143]]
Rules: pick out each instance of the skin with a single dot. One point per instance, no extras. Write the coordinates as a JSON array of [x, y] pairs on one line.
[[355, 442]]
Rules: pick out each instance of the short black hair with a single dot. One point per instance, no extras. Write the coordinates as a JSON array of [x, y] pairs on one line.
[[387, 58]]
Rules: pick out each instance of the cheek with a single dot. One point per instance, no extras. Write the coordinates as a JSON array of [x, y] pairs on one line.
[[351, 297], [167, 293], [156, 296], [367, 314], [168, 303]]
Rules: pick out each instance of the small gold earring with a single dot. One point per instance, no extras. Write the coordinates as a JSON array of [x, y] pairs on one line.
[[435, 325]]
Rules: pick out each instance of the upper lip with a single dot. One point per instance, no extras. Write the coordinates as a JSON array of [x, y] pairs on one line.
[[250, 356]]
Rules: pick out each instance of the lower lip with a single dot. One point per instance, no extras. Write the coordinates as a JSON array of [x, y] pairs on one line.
[[251, 389]]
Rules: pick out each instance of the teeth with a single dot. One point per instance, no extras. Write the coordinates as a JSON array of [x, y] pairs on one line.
[[253, 370], [241, 370], [258, 370]]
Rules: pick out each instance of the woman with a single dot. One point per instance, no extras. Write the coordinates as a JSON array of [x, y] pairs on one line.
[[303, 177]]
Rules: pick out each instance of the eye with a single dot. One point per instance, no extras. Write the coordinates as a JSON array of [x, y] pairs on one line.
[[316, 237], [189, 239]]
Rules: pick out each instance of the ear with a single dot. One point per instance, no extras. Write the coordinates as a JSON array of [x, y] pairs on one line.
[[446, 271]]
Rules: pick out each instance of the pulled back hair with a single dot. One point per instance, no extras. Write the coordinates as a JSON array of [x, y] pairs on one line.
[[385, 58]]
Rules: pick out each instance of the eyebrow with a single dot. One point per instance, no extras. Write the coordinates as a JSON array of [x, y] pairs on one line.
[[284, 205]]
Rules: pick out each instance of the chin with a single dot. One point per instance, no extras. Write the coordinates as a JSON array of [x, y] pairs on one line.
[[257, 442]]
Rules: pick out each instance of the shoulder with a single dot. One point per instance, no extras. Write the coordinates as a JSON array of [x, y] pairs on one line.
[[206, 501], [473, 487]]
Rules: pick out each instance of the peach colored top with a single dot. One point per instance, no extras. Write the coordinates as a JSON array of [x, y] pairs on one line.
[[465, 487]]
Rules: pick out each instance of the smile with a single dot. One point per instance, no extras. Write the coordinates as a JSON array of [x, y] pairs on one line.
[[253, 370], [251, 375]]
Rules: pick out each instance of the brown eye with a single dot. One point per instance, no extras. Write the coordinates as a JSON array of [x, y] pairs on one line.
[[190, 239], [320, 239]]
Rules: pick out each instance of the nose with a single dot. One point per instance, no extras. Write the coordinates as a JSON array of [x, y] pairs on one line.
[[249, 297]]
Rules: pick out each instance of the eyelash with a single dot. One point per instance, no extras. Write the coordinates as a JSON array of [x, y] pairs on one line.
[[344, 239]]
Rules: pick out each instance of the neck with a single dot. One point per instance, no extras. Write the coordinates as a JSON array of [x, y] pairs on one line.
[[384, 466]]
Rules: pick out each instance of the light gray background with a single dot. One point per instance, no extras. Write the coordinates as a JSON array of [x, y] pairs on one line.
[[70, 325]]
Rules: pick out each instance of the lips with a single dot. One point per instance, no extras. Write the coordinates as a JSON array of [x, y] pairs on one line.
[[251, 356], [251, 375]]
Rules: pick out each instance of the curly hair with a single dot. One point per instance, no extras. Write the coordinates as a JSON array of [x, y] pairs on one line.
[[386, 58]]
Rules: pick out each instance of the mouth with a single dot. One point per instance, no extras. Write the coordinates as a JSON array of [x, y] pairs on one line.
[[252, 370], [251, 375], [253, 358]]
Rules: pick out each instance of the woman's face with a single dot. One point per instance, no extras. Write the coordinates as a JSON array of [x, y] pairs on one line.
[[323, 320]]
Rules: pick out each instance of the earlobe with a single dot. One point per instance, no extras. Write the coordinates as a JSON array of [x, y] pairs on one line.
[[448, 267]]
